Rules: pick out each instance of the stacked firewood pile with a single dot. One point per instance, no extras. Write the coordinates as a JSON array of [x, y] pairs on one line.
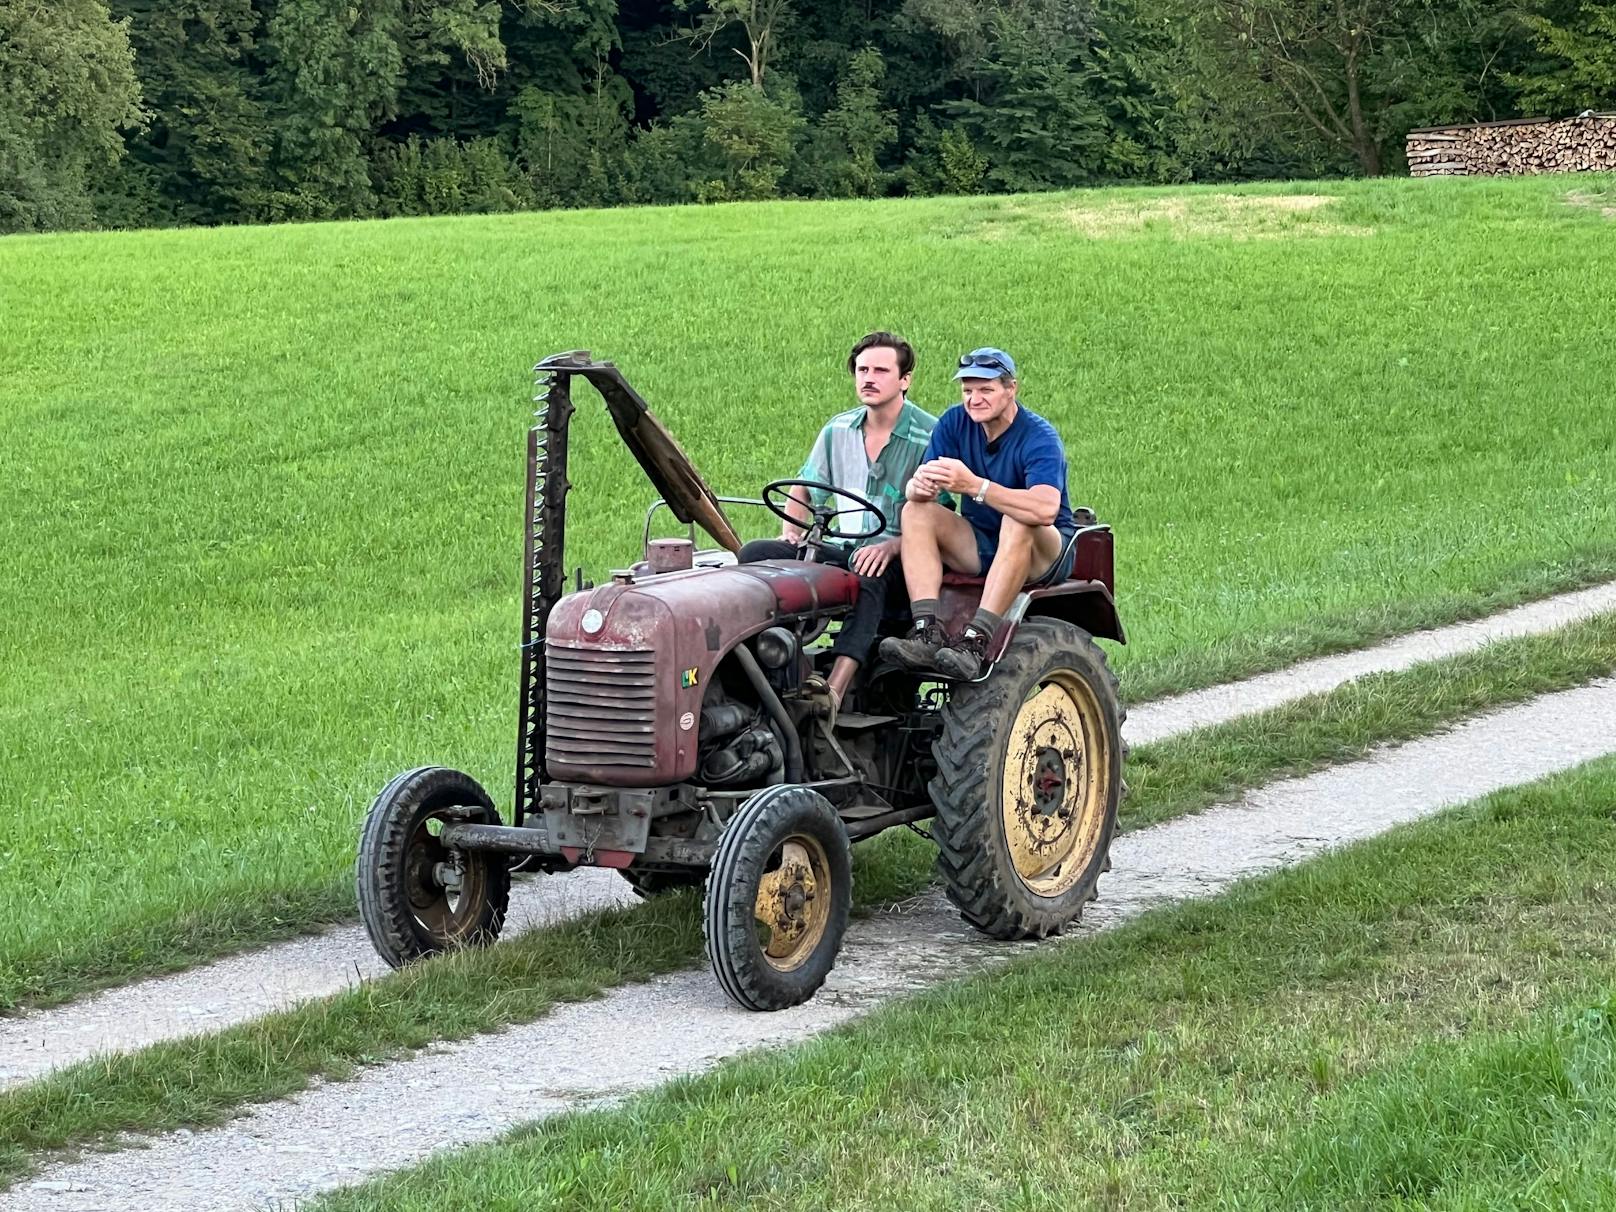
[[1586, 143]]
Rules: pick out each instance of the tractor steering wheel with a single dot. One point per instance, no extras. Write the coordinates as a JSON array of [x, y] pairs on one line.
[[823, 516]]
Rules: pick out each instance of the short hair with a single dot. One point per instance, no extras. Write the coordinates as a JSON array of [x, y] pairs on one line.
[[906, 354]]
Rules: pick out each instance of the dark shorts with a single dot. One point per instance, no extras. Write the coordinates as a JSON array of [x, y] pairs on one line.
[[987, 546]]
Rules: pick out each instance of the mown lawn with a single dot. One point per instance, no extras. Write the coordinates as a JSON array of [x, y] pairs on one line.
[[260, 489], [1422, 1021]]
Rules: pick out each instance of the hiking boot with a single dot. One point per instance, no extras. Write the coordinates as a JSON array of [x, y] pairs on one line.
[[917, 649], [964, 659]]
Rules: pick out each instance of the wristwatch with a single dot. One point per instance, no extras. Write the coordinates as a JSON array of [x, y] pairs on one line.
[[982, 493]]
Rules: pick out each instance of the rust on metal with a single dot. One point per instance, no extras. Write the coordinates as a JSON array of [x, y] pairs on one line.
[[793, 902], [1055, 786], [543, 570]]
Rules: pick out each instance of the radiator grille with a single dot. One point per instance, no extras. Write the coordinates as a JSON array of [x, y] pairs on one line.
[[600, 706]]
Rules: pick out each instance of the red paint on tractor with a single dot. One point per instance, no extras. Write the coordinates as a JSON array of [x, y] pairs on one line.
[[599, 858]]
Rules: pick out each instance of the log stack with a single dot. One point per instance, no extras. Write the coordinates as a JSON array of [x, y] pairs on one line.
[[1586, 143]]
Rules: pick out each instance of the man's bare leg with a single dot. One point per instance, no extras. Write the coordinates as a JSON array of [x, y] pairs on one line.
[[841, 676], [1022, 549], [933, 538]]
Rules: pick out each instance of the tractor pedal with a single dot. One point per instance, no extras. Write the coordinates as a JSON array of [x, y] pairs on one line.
[[854, 721]]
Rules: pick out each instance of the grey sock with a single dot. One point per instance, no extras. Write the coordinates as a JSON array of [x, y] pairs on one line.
[[985, 621], [924, 608]]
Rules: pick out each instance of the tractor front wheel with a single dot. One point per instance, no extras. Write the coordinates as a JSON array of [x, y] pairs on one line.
[[1029, 780], [778, 898], [416, 895]]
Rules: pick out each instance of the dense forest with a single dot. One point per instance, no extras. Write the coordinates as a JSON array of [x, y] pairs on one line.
[[127, 113]]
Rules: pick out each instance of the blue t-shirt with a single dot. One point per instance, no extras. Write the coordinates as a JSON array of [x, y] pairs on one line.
[[1027, 454]]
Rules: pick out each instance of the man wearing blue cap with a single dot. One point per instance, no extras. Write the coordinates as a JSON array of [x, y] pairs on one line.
[[1008, 467]]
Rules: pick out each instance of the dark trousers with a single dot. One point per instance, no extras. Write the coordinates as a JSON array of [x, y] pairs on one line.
[[857, 636]]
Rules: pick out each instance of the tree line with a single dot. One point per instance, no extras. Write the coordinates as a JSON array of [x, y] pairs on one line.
[[129, 113]]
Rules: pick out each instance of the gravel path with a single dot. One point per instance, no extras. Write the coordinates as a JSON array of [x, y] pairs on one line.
[[217, 995], [641, 1035], [233, 990]]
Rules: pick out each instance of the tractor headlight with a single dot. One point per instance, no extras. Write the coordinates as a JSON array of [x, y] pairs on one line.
[[776, 648]]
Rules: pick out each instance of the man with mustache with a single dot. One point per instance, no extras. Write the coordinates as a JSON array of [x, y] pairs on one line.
[[872, 450], [1008, 466]]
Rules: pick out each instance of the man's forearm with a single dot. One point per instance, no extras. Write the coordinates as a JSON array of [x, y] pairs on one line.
[[799, 507], [1028, 506]]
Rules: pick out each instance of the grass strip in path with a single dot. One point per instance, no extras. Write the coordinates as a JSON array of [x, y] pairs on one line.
[[1185, 774], [1161, 719], [1424, 1020], [200, 1080]]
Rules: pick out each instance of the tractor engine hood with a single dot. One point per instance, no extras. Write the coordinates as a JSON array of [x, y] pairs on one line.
[[628, 663]]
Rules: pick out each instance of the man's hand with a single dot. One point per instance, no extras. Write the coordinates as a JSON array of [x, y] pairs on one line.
[[792, 534], [874, 560], [949, 475], [918, 489]]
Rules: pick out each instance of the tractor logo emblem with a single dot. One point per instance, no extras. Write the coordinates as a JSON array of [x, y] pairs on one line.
[[689, 678]]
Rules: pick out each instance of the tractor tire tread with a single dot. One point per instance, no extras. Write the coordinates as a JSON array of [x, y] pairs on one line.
[[975, 876], [378, 866], [730, 936]]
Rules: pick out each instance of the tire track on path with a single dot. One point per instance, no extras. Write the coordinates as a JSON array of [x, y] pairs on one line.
[[638, 1036], [230, 991]]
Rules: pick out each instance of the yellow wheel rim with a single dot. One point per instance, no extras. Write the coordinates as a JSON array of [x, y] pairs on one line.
[[1057, 783], [793, 902]]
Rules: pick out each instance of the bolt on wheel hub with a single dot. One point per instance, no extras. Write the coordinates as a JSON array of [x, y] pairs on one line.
[[1049, 780], [791, 909]]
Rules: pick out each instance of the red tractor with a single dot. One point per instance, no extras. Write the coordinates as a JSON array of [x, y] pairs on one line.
[[664, 731]]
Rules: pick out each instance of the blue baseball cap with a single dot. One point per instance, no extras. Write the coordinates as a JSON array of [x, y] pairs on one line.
[[986, 364]]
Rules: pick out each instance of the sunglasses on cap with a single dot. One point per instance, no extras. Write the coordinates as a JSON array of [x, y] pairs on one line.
[[986, 361], [994, 363]]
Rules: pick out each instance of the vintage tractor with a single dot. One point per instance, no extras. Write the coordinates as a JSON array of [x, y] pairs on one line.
[[663, 730]]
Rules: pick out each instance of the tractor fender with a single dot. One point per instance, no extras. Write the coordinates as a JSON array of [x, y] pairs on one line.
[[1088, 605]]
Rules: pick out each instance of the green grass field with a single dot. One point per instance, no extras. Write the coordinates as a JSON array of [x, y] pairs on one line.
[[260, 492], [1423, 1021]]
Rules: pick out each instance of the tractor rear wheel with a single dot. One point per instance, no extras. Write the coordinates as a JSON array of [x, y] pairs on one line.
[[1029, 779], [416, 896], [778, 898]]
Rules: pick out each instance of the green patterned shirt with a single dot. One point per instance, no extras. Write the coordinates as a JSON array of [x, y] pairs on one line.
[[839, 458]]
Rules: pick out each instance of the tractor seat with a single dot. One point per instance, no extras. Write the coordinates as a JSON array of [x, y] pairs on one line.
[[800, 587]]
